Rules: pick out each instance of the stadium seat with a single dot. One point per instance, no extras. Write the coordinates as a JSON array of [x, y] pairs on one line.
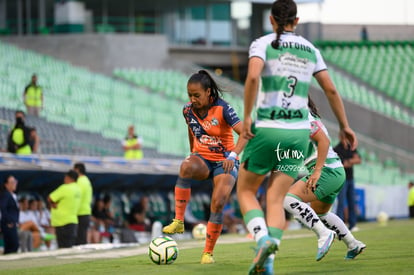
[[376, 64]]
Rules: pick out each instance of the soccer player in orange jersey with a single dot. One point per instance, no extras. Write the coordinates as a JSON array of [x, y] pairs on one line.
[[211, 122]]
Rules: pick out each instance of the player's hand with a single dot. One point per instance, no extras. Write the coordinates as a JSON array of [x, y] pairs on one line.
[[229, 162], [247, 124], [313, 180], [348, 137]]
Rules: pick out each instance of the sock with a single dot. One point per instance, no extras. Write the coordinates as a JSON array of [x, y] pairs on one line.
[[304, 213], [276, 234], [213, 233], [256, 224], [335, 223], [182, 197]]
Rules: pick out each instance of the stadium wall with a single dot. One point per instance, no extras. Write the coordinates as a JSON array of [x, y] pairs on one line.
[[390, 199]]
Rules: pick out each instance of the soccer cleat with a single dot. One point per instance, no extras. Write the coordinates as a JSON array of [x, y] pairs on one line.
[[352, 253], [176, 226], [324, 243], [268, 266], [207, 258], [265, 247]]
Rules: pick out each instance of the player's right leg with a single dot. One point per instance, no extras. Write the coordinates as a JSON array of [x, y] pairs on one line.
[[353, 252], [254, 218], [193, 167]]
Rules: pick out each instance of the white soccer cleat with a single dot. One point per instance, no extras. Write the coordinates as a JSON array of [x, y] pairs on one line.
[[324, 243], [355, 250]]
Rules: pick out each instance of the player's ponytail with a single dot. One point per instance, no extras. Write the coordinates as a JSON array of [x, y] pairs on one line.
[[284, 12], [206, 81]]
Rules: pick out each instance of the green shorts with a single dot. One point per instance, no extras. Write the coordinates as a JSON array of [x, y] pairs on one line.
[[274, 149], [329, 184]]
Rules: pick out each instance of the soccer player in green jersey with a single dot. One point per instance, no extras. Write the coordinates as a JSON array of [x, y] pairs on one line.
[[280, 70]]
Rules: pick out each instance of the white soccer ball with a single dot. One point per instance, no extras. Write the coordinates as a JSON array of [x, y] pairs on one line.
[[382, 218], [163, 250], [199, 231]]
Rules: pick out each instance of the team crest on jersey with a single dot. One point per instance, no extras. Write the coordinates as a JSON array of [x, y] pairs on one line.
[[214, 121], [206, 125]]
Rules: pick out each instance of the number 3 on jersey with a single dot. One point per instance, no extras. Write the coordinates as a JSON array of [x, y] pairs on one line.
[[292, 85]]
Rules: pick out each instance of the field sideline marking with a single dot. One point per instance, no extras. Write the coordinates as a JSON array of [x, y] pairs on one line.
[[108, 251]]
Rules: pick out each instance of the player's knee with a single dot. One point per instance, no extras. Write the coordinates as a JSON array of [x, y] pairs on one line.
[[193, 170], [189, 170], [186, 170]]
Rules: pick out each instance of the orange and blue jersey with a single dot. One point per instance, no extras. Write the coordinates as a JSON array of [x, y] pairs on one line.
[[212, 134]]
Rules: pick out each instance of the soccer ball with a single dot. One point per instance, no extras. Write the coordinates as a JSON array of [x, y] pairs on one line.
[[382, 218], [163, 250], [199, 231]]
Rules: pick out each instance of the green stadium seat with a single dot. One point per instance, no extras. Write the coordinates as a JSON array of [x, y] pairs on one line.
[[382, 65]]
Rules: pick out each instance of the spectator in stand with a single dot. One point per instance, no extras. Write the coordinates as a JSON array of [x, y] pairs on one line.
[[33, 97], [18, 140], [110, 220], [35, 214], [132, 145], [138, 220], [97, 223], [101, 220], [43, 213], [27, 222], [34, 140]]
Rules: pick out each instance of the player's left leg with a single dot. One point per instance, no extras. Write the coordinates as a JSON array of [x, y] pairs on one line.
[[223, 185]]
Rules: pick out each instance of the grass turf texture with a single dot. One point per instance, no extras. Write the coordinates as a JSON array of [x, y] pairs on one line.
[[390, 250]]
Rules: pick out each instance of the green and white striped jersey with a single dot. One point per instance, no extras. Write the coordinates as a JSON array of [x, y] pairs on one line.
[[282, 100]]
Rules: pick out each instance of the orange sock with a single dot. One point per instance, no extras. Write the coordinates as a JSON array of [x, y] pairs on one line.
[[213, 233], [182, 197]]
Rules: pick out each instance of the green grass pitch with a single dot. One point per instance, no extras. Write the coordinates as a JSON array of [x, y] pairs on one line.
[[390, 250]]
